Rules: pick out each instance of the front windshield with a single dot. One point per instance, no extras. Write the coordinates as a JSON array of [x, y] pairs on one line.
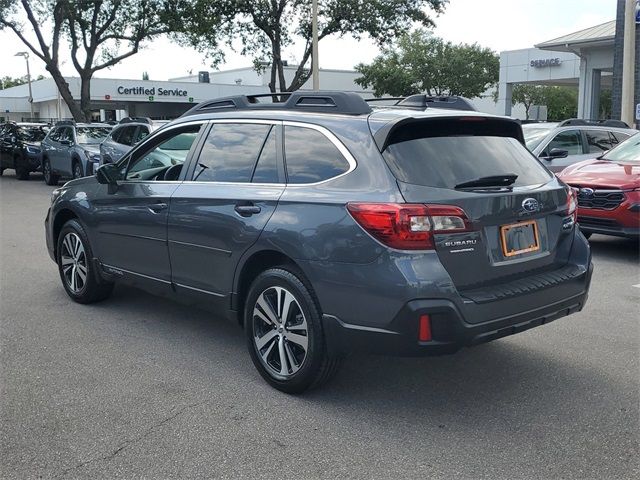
[[533, 136], [32, 134], [627, 151], [92, 134]]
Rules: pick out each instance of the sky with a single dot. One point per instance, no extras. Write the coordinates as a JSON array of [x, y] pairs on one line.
[[497, 24]]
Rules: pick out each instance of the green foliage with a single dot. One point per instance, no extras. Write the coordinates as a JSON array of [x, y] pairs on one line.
[[99, 33], [422, 62], [561, 102], [266, 28], [8, 82]]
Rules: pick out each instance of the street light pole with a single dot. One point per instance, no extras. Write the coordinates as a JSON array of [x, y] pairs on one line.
[[315, 68], [26, 57]]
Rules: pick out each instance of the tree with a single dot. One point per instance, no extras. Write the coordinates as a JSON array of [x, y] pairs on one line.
[[266, 28], [527, 95], [422, 62], [100, 33], [561, 102], [46, 20], [8, 82]]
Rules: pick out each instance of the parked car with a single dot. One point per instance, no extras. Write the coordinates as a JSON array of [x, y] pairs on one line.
[[562, 144], [20, 147], [609, 191], [129, 132], [72, 150], [322, 226]]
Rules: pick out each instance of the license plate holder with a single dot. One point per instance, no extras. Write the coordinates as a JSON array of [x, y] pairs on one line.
[[519, 238]]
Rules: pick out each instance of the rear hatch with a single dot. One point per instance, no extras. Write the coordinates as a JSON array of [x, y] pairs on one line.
[[517, 211]]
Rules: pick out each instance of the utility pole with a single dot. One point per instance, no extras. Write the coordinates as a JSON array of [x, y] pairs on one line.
[[26, 57], [628, 63], [315, 67]]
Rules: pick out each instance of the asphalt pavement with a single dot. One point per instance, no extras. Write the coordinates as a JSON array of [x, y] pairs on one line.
[[140, 387]]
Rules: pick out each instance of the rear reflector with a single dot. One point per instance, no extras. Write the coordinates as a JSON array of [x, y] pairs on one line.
[[407, 226], [424, 330]]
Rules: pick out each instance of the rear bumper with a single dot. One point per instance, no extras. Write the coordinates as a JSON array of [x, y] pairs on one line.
[[449, 328]]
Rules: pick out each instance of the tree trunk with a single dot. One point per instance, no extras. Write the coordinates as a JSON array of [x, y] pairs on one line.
[[65, 92], [85, 95]]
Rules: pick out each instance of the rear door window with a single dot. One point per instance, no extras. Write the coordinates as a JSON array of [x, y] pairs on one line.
[[311, 157], [598, 141], [230, 152], [141, 134], [569, 140], [444, 162]]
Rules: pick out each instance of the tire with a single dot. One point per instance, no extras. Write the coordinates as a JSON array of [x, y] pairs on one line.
[[74, 256], [283, 362], [50, 178], [77, 169], [21, 172]]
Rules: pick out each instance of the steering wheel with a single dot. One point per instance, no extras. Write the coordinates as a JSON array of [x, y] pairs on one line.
[[172, 173]]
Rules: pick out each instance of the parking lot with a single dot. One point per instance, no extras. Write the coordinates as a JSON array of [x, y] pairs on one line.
[[138, 386]]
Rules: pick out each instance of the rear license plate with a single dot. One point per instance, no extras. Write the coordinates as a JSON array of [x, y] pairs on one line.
[[519, 238]]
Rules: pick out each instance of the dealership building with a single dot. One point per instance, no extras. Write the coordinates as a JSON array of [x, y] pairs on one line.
[[113, 99], [589, 59]]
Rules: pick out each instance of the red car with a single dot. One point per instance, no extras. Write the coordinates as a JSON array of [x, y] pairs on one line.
[[608, 189]]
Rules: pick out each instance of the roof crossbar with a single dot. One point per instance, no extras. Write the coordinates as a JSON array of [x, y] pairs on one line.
[[348, 103]]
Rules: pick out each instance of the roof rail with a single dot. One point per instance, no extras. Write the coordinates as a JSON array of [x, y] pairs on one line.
[[64, 122], [136, 120], [348, 103], [422, 101], [606, 123]]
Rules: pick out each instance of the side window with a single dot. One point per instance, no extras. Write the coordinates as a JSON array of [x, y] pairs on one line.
[[311, 157], [569, 140], [266, 170], [167, 155], [126, 135], [598, 141], [141, 134], [230, 152]]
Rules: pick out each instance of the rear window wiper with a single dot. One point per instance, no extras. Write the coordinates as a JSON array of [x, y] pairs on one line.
[[490, 181]]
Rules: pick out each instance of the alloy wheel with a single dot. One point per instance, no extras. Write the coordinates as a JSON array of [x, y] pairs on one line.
[[280, 332], [77, 173], [46, 171], [73, 262]]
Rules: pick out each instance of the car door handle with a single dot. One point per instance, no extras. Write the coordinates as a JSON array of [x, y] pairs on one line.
[[247, 210], [157, 207]]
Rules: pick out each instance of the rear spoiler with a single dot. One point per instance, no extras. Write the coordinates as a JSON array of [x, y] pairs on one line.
[[404, 128]]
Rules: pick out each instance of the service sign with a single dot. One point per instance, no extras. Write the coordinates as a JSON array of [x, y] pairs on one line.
[[153, 91], [545, 62]]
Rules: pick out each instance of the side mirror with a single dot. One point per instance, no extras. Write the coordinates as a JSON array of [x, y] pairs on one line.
[[556, 153], [109, 174]]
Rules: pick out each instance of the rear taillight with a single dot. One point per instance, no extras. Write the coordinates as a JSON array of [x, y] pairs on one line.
[[572, 203], [408, 226]]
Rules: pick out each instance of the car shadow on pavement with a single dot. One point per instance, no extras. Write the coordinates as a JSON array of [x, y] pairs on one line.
[[507, 377], [615, 248]]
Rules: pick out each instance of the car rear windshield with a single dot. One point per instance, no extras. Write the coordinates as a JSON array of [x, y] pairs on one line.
[[445, 162], [92, 134], [534, 135], [627, 151]]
